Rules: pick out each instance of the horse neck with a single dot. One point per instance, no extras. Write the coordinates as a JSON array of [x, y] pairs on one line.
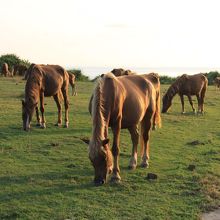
[[32, 90], [173, 90]]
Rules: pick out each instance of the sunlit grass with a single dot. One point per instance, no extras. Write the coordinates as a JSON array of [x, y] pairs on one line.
[[46, 174]]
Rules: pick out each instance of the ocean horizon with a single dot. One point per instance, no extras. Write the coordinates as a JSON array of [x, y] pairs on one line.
[[93, 72]]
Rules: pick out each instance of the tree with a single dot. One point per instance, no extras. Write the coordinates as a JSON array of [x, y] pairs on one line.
[[12, 60]]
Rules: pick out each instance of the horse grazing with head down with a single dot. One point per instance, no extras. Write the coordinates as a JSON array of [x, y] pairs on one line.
[[45, 80], [187, 85], [120, 103]]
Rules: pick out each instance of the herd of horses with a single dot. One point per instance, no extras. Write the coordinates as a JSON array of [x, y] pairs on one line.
[[121, 99]]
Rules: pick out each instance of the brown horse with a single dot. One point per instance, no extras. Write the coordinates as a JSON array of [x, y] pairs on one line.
[[120, 103], [45, 80], [155, 80], [5, 70], [217, 83], [121, 72], [187, 85], [20, 70], [72, 80]]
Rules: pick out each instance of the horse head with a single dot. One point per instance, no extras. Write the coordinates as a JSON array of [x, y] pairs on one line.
[[27, 113], [101, 160], [167, 102]]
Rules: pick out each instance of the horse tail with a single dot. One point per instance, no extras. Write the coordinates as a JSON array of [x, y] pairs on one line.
[[157, 117]]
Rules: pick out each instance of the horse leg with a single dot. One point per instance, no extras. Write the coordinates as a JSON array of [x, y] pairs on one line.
[[191, 103], [182, 102], [202, 99], [59, 107], [199, 102], [66, 104], [43, 122], [134, 137], [115, 152], [145, 135], [38, 116]]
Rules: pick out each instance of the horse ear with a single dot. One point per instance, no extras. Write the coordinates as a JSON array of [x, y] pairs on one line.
[[85, 140], [104, 142]]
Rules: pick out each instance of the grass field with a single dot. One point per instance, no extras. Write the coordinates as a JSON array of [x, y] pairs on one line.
[[46, 174]]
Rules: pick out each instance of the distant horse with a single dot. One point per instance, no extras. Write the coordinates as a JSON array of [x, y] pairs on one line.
[[72, 80], [217, 83], [121, 72], [20, 70], [187, 85], [120, 103], [5, 70], [45, 80]]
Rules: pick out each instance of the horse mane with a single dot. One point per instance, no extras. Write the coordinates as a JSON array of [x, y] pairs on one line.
[[98, 111], [175, 87], [97, 118], [33, 83]]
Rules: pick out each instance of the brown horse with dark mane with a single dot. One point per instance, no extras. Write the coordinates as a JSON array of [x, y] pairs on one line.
[[45, 80], [120, 103], [187, 85]]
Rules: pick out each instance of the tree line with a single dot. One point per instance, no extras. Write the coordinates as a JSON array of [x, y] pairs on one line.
[[13, 60]]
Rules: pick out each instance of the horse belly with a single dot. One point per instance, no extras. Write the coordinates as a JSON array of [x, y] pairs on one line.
[[52, 87], [133, 112]]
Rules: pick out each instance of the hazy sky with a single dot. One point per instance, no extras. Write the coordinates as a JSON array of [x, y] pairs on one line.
[[138, 33]]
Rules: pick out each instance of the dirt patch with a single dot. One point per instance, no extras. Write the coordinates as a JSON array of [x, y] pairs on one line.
[[215, 215], [196, 142]]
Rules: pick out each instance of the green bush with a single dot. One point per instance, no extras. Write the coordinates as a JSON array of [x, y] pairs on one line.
[[12, 60], [79, 75], [211, 76], [167, 79]]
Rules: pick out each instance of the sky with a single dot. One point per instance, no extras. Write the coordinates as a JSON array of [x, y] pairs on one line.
[[116, 33]]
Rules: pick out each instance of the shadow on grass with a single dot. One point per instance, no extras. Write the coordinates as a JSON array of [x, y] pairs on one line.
[[50, 183]]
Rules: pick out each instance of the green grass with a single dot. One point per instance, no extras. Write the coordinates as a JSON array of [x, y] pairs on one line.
[[46, 174]]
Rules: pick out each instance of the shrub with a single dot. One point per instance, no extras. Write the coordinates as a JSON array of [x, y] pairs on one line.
[[78, 74], [12, 60]]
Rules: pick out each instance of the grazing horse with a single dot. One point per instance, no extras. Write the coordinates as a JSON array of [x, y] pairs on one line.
[[217, 82], [187, 85], [120, 103], [45, 80], [5, 70]]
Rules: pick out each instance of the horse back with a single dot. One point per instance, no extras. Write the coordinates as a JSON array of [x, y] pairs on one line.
[[132, 96], [193, 84]]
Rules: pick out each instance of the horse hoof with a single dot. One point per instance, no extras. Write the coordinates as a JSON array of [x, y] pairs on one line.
[[66, 126], [58, 125], [116, 179], [43, 126], [145, 165], [182, 113], [131, 167]]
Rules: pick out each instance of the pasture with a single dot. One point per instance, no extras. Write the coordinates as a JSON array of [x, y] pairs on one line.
[[46, 174]]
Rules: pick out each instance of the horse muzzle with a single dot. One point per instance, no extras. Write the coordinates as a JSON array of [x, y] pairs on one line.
[[99, 182]]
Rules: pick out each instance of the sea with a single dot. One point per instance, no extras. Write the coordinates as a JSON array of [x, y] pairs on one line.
[[93, 72]]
